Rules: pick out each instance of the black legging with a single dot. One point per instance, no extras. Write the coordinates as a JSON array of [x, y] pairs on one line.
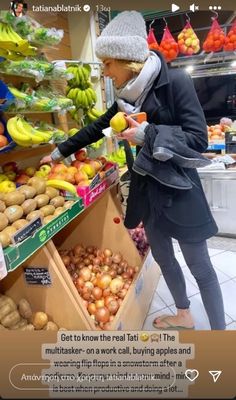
[[198, 260]]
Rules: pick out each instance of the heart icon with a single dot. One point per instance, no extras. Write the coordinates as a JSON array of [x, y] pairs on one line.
[[191, 374]]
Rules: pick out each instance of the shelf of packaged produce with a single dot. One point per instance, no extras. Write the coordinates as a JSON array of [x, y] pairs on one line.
[[16, 255], [22, 153]]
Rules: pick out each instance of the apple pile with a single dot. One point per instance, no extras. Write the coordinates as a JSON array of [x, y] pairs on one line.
[[215, 39], [188, 41], [216, 133], [18, 207], [102, 279], [139, 237]]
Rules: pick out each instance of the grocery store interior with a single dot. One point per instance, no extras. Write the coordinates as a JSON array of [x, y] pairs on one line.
[[64, 244]]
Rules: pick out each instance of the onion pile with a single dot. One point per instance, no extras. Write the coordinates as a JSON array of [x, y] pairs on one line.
[[102, 279], [139, 237]]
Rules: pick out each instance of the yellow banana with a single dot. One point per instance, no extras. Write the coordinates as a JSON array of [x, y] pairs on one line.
[[37, 136], [62, 185], [96, 112], [91, 116], [20, 137]]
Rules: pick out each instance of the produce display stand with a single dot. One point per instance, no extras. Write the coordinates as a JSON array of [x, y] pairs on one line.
[[52, 297], [15, 255], [100, 225]]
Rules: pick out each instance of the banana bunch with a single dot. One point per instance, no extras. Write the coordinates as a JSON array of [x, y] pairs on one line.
[[24, 134], [12, 42], [93, 114], [82, 98], [118, 157], [81, 75], [61, 185]]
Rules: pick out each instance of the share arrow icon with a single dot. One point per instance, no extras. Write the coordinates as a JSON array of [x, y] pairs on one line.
[[215, 375]]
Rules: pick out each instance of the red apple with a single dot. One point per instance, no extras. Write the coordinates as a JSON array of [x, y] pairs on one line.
[[81, 154], [59, 168], [83, 183], [10, 166], [102, 159], [77, 164], [22, 179], [70, 178], [72, 170]]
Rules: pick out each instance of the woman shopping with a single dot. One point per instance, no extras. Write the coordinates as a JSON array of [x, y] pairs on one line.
[[165, 190]]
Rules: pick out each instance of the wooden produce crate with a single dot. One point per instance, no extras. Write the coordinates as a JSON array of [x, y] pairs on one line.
[[39, 281], [101, 225]]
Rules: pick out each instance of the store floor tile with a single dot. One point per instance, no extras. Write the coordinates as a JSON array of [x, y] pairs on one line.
[[225, 262], [157, 304], [149, 320], [223, 243]]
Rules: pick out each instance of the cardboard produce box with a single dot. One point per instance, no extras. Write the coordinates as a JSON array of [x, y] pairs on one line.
[[40, 282], [101, 225]]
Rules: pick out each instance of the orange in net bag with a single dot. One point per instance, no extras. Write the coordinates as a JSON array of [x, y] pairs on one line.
[[152, 42], [188, 41], [230, 40], [168, 46], [215, 39]]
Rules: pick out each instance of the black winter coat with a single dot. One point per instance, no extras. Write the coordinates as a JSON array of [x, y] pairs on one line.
[[182, 214]]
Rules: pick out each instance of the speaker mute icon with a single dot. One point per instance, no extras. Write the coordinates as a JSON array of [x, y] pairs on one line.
[[215, 375]]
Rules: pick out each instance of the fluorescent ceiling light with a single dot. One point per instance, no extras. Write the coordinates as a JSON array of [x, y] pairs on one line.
[[233, 64], [189, 69]]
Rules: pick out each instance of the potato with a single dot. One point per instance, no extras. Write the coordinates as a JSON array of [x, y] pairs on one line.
[[34, 214], [47, 210], [3, 221], [5, 310], [5, 239], [47, 219], [11, 319], [2, 328], [25, 309], [51, 192], [57, 201], [42, 200], [28, 191], [29, 205], [14, 198], [13, 213], [51, 326], [20, 223], [39, 320], [69, 204], [38, 183], [23, 322], [59, 210], [2, 206], [29, 327], [10, 230]]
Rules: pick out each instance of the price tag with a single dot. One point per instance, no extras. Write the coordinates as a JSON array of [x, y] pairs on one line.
[[37, 276], [27, 230], [3, 267]]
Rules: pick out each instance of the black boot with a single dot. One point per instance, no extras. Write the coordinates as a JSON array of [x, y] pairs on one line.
[[164, 172], [170, 144]]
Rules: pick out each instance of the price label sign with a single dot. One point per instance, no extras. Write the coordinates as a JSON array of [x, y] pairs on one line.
[[37, 276]]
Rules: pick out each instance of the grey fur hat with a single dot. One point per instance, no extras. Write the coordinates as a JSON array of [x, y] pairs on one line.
[[124, 38]]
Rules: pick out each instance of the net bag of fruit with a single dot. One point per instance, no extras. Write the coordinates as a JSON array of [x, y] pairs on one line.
[[188, 41], [230, 40], [152, 42], [168, 46], [215, 38]]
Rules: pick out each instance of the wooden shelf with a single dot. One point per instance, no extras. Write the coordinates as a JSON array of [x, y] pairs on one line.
[[23, 153]]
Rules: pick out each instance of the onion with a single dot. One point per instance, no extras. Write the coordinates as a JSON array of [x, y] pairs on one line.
[[78, 249], [80, 265], [79, 283], [89, 285], [122, 293], [102, 314], [113, 306], [124, 264], [113, 273], [119, 270], [91, 257], [85, 302], [125, 275], [116, 285], [104, 281], [86, 261], [90, 249], [96, 268], [66, 260], [117, 258], [107, 252], [85, 273], [97, 293], [126, 285], [107, 260], [130, 271], [97, 261], [108, 299], [106, 292], [86, 293], [99, 303], [92, 308], [107, 326]]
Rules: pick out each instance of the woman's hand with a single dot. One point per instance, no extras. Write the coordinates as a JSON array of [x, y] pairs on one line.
[[129, 133], [47, 160]]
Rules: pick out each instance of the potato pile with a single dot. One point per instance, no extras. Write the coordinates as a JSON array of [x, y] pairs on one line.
[[29, 201], [20, 316]]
